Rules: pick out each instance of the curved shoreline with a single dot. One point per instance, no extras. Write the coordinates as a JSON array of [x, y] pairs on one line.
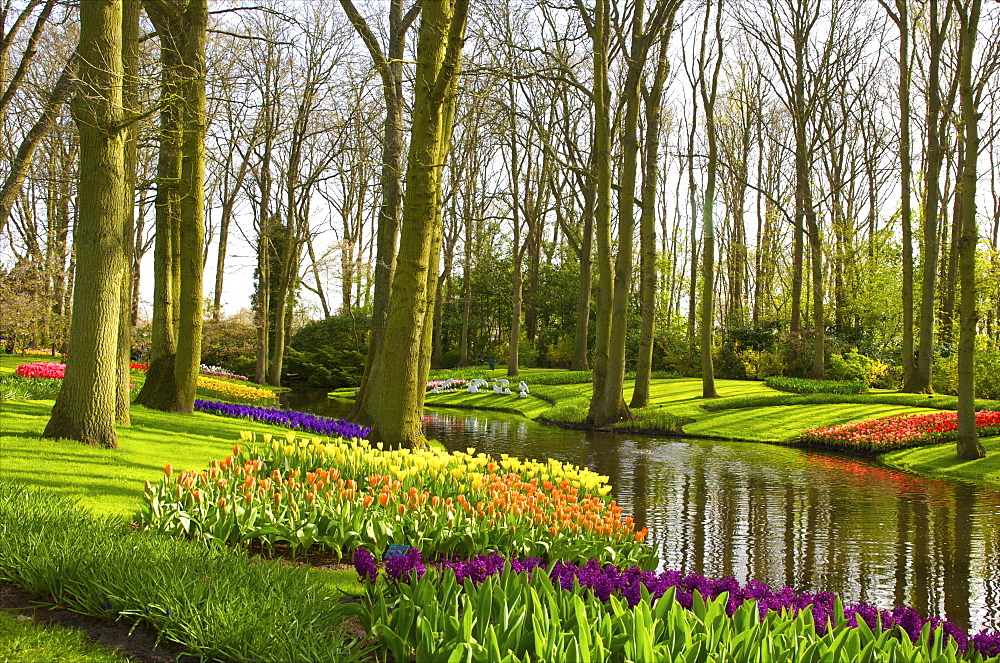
[[938, 460]]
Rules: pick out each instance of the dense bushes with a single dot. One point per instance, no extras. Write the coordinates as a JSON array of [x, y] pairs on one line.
[[987, 357], [806, 386], [329, 353], [229, 343]]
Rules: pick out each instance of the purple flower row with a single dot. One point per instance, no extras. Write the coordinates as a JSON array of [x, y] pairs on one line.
[[627, 583], [290, 418]]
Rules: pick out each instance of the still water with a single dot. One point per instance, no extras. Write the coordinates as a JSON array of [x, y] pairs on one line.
[[808, 520]]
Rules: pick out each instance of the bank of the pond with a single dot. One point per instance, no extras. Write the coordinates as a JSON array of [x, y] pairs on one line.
[[942, 460], [745, 411]]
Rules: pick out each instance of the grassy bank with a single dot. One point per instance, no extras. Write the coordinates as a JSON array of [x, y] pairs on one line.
[[745, 410], [941, 460], [749, 411]]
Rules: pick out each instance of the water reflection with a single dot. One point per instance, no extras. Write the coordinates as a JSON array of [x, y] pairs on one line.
[[812, 521]]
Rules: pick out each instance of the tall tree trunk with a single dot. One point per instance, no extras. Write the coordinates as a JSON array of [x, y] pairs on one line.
[[602, 217], [968, 445], [708, 97], [397, 398], [580, 359], [85, 408], [192, 205], [466, 292], [160, 389], [131, 13], [514, 346], [920, 380], [390, 68], [647, 233], [819, 320], [906, 170]]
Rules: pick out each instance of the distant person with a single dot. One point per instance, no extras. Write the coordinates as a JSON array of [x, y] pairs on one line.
[[489, 360]]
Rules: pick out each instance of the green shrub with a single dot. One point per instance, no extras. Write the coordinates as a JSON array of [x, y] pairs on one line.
[[853, 366], [652, 419], [225, 342], [807, 386], [559, 377], [987, 362], [329, 354], [215, 602], [935, 401], [462, 373], [450, 359]]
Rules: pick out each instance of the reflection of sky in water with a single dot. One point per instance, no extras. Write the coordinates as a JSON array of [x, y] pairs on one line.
[[811, 521]]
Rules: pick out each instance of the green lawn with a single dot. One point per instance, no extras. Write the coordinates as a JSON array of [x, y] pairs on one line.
[[111, 481], [942, 460], [24, 641]]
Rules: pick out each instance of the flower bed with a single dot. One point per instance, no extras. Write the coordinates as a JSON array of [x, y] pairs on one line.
[[298, 420], [234, 392], [345, 494], [880, 435], [219, 372], [31, 352], [607, 612], [42, 369]]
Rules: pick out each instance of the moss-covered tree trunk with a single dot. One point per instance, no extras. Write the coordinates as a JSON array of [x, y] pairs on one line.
[[969, 446], [192, 204], [902, 19], [131, 12], [172, 379], [390, 68], [517, 279], [397, 390], [709, 91], [160, 389], [85, 407], [920, 379], [601, 163], [581, 362], [647, 234], [816, 264]]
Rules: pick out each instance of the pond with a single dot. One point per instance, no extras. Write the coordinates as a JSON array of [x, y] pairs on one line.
[[808, 520]]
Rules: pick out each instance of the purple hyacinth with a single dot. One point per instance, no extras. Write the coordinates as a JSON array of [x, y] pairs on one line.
[[627, 583], [364, 564], [290, 418], [403, 567]]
